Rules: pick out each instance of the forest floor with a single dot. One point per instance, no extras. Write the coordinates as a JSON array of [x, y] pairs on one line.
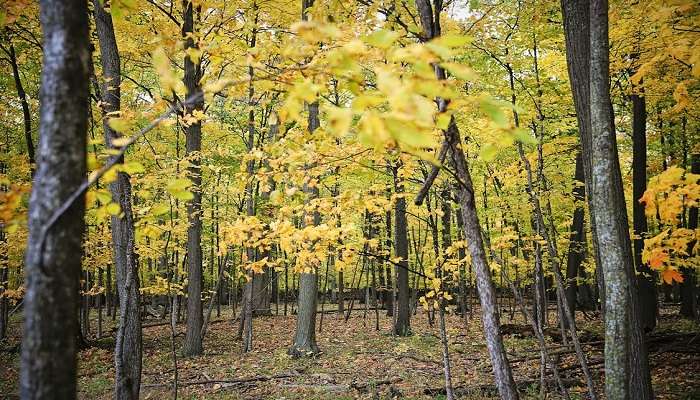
[[358, 361]]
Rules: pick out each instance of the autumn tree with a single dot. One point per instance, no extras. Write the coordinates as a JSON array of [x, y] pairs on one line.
[[57, 207], [127, 353]]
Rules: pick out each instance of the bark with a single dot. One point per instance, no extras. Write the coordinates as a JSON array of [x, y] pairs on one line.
[[402, 322], [626, 364], [484, 282], [688, 288], [577, 238], [645, 278], [193, 145], [446, 207], [127, 354], [576, 17], [4, 285], [53, 255]]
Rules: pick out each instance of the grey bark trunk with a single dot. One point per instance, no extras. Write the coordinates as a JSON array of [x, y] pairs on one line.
[[193, 144], [127, 354], [52, 268], [626, 364], [472, 230]]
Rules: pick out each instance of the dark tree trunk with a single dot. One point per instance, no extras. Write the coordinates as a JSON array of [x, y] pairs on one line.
[[52, 262], [627, 368], [193, 144], [402, 322], [576, 16], [389, 291], [25, 106], [646, 279], [4, 304], [127, 353], [688, 288], [577, 238]]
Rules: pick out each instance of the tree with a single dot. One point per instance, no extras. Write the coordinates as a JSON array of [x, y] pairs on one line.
[[576, 19], [305, 334], [52, 261], [193, 145], [626, 364], [127, 352], [646, 279], [402, 321], [430, 20]]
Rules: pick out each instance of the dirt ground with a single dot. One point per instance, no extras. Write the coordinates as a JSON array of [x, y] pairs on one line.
[[357, 361]]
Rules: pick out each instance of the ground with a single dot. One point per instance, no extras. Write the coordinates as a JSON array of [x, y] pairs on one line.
[[361, 362]]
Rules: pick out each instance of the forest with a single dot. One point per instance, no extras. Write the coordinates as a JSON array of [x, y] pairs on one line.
[[350, 199]]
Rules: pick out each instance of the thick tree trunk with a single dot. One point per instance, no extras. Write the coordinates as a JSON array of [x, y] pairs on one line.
[[576, 16], [52, 262], [646, 279], [626, 364], [127, 354], [193, 133]]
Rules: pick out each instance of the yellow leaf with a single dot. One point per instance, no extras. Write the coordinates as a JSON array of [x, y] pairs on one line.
[[460, 71], [382, 38], [118, 124], [113, 208]]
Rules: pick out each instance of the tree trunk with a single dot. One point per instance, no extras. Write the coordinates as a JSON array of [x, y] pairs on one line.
[[576, 16], [193, 133], [626, 364], [689, 297], [646, 279], [577, 238], [127, 353], [472, 229], [305, 336], [402, 322], [25, 107], [53, 256]]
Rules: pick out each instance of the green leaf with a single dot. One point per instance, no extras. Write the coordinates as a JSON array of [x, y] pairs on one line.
[[113, 208], [443, 121], [494, 111], [407, 133], [178, 189], [460, 71], [524, 136], [118, 124], [453, 40], [160, 209], [488, 152], [133, 167], [382, 39]]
